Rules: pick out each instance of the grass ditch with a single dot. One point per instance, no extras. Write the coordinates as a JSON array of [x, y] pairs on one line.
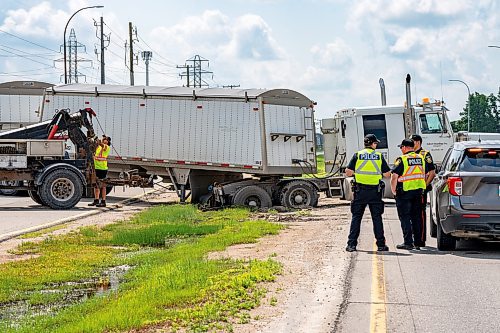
[[170, 282]]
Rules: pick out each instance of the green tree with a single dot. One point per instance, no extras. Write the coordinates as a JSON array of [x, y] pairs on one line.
[[484, 114]]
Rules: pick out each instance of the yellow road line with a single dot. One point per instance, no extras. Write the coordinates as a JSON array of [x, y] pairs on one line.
[[378, 317]]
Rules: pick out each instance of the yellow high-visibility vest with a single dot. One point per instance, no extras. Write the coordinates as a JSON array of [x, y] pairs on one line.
[[101, 157], [413, 177], [368, 167]]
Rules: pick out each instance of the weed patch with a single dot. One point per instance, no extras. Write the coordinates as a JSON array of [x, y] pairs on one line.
[[170, 282]]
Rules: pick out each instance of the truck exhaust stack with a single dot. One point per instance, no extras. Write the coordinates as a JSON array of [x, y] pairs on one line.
[[382, 91]]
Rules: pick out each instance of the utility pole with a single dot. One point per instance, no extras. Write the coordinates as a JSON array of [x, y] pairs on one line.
[[103, 38], [186, 74], [146, 56], [130, 31]]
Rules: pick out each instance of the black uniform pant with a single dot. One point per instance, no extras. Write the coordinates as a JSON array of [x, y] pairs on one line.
[[409, 206], [367, 196], [424, 217]]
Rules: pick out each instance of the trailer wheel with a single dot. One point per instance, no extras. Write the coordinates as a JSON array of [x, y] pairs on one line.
[[7, 191], [61, 189], [252, 196], [36, 197], [299, 194]]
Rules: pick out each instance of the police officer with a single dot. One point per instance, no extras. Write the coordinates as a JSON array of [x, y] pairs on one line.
[[408, 185], [367, 166], [430, 168]]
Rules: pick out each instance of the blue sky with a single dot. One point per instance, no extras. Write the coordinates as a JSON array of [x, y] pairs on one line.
[[333, 51]]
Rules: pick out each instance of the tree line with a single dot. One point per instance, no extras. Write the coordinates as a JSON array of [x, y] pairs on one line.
[[484, 114]]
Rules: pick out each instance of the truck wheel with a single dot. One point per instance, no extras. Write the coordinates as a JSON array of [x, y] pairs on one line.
[[109, 188], [252, 196], [36, 198], [299, 194], [445, 242], [7, 191], [61, 189], [432, 226]]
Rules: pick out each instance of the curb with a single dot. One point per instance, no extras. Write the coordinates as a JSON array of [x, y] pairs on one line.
[[117, 205]]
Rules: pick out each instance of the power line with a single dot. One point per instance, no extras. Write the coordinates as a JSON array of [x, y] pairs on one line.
[[10, 34], [27, 54], [23, 56], [156, 52]]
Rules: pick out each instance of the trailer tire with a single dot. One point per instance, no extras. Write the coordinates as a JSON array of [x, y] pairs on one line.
[[61, 189], [36, 197], [299, 194], [252, 196]]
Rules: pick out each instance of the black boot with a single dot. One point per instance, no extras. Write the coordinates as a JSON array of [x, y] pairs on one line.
[[94, 203], [101, 204]]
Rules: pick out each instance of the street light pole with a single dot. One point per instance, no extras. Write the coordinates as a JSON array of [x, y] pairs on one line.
[[468, 98], [64, 42], [498, 47]]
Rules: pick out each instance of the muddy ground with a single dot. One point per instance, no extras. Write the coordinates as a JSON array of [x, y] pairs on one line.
[[307, 297]]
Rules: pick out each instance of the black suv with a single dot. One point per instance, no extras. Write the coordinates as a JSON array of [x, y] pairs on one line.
[[465, 198]]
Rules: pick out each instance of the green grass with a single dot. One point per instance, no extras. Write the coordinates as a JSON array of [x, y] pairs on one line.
[[42, 232], [174, 285], [320, 167]]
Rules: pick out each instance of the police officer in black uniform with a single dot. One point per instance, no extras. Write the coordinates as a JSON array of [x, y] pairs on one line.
[[368, 167], [430, 168], [408, 184]]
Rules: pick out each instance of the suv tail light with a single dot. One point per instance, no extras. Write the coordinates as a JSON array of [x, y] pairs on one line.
[[455, 185]]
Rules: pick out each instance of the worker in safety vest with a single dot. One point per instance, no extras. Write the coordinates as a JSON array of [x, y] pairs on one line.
[[368, 167], [408, 185], [430, 168], [101, 170]]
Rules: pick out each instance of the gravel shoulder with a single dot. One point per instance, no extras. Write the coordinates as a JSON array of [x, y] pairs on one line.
[[309, 295]]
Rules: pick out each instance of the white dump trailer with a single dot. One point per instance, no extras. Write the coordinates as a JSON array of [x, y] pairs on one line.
[[205, 141], [20, 102]]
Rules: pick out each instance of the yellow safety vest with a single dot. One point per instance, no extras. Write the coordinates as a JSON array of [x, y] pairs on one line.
[[368, 167], [413, 177], [101, 158]]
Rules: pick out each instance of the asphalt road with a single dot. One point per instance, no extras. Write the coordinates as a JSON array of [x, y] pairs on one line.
[[21, 212], [421, 291]]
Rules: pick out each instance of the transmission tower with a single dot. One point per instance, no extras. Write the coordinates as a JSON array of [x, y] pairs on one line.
[[194, 72], [73, 60]]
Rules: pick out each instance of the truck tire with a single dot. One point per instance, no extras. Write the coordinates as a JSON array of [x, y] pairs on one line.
[[109, 188], [61, 189], [36, 198], [252, 196], [7, 191], [299, 194], [445, 242]]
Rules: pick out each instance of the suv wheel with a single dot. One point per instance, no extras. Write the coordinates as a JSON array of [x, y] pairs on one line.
[[445, 242], [432, 226]]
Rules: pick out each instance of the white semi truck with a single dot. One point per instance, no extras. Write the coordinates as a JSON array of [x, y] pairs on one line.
[[344, 133], [219, 146]]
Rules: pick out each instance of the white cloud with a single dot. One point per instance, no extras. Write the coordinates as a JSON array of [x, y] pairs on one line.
[[334, 54]]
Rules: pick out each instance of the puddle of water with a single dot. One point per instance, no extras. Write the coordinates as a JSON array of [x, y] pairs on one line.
[[65, 294]]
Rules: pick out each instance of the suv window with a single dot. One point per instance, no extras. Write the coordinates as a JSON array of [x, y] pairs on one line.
[[481, 159], [453, 160], [431, 123]]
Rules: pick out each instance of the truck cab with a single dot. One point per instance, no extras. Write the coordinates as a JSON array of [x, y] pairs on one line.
[[344, 133]]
